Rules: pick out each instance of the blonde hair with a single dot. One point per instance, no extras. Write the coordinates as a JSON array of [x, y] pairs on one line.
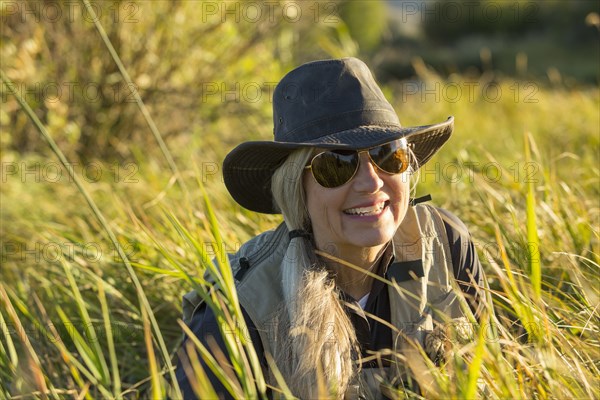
[[316, 340], [413, 171]]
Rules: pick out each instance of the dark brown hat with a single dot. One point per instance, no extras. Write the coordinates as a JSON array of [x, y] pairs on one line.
[[323, 104]]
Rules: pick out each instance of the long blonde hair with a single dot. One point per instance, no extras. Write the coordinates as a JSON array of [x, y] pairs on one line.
[[316, 341]]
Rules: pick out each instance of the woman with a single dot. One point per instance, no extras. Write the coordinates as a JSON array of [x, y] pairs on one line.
[[358, 276]]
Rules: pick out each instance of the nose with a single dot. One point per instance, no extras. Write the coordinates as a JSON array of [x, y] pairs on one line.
[[367, 177]]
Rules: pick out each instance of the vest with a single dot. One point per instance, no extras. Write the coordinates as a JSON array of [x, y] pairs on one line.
[[428, 298]]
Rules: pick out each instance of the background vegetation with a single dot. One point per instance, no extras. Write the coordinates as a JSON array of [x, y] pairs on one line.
[[522, 171]]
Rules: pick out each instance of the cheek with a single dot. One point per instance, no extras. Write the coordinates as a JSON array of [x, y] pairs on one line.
[[313, 199], [321, 204], [401, 186], [400, 191]]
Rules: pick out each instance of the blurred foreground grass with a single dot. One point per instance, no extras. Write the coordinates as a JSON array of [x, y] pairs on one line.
[[72, 323]]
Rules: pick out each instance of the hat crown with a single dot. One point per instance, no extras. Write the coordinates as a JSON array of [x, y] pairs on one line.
[[324, 97]]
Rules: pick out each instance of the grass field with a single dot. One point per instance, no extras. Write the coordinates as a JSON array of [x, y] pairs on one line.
[[90, 300], [71, 315]]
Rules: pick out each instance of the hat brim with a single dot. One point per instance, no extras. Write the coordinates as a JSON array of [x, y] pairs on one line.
[[248, 168]]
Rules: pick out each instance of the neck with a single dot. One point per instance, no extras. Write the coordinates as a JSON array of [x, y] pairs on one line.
[[352, 273]]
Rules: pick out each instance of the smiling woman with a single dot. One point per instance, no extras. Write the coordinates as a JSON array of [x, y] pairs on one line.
[[358, 278]]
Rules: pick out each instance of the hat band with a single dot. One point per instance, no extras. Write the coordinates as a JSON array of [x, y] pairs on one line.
[[341, 122]]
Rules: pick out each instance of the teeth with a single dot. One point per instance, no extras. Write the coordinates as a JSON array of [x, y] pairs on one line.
[[374, 210]]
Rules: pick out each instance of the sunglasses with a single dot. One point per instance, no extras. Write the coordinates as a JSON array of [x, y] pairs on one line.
[[334, 168]]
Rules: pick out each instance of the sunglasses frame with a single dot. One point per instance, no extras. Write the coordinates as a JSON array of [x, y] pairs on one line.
[[358, 153]]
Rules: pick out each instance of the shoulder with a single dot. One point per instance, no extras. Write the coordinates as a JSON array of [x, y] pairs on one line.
[[468, 271], [264, 242], [462, 248], [464, 255], [257, 272], [253, 251], [455, 227]]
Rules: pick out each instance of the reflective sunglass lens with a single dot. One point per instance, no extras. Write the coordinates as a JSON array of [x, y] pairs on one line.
[[391, 157], [334, 168]]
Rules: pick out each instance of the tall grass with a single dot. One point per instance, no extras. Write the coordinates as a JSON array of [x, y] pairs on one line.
[[72, 325], [75, 325]]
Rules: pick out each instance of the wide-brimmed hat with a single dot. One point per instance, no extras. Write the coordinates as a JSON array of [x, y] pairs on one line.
[[323, 104]]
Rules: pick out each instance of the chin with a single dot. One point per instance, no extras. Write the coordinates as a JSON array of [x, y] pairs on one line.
[[372, 239]]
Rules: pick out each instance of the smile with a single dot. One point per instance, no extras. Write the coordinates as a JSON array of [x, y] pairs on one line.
[[367, 211]]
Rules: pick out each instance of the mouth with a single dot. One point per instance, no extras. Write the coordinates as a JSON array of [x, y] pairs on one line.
[[367, 211]]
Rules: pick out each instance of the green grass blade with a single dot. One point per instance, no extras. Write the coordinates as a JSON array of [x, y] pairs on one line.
[[157, 389], [90, 332], [212, 363], [158, 271], [533, 243], [205, 261], [116, 379], [475, 366], [198, 379], [222, 259], [85, 351], [90, 369], [34, 364], [10, 352], [69, 360], [283, 388], [195, 282]]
